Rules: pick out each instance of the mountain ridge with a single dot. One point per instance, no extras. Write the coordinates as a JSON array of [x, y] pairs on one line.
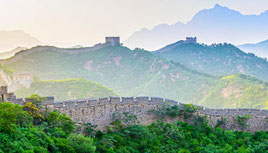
[[8, 54], [216, 59], [260, 48], [12, 39], [215, 25]]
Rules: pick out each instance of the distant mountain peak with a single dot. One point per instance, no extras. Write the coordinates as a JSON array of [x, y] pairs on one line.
[[218, 24], [264, 13], [260, 49], [14, 38], [221, 9], [218, 6]]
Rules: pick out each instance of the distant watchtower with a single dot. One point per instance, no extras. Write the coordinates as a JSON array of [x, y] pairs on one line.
[[114, 41], [191, 40], [18, 76]]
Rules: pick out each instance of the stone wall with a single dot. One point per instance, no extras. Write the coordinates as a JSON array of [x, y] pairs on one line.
[[100, 111], [17, 76], [16, 80], [6, 78]]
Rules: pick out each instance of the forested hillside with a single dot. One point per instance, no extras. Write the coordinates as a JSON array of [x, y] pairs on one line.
[[237, 91], [66, 89], [220, 59], [132, 73]]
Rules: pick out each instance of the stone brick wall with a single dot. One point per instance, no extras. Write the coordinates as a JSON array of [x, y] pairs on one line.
[[6, 78], [100, 111], [16, 80]]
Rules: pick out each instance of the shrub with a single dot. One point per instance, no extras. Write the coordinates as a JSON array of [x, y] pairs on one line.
[[81, 144], [89, 129], [34, 112], [56, 119], [242, 121], [188, 110], [36, 99], [10, 116], [221, 123], [63, 145], [174, 111]]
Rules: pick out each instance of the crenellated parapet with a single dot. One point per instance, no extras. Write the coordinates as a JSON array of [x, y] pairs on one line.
[[100, 111], [82, 103]]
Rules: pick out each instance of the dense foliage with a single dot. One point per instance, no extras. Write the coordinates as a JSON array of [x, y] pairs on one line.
[[33, 130], [180, 137], [38, 130]]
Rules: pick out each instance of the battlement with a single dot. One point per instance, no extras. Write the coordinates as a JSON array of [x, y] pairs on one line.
[[90, 102], [82, 103], [100, 111]]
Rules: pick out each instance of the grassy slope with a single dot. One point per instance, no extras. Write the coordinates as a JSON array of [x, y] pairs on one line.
[[66, 89], [218, 60], [238, 91], [137, 73]]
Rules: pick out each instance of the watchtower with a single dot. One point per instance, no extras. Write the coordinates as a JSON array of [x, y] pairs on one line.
[[114, 41], [191, 40], [18, 76]]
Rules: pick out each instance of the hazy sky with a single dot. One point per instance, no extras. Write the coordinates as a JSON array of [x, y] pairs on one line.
[[59, 22]]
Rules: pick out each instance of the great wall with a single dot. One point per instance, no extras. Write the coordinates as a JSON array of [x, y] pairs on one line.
[[109, 41], [16, 80], [100, 111]]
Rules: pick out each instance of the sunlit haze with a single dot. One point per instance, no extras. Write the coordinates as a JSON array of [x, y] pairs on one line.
[[86, 22]]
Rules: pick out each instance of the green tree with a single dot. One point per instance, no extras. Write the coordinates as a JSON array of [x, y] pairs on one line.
[[81, 144], [10, 116], [59, 120]]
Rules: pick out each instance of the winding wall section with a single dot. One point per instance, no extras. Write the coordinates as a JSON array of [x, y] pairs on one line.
[[100, 111]]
